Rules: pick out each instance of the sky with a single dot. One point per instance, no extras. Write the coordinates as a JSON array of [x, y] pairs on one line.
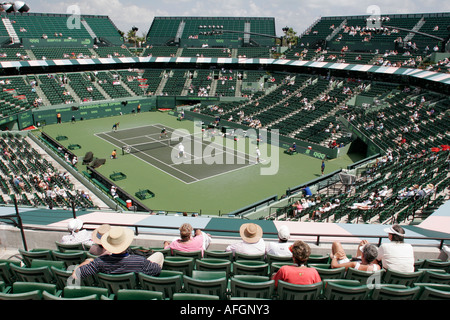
[[296, 14]]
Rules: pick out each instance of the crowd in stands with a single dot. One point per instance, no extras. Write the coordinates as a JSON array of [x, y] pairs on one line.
[[35, 181]]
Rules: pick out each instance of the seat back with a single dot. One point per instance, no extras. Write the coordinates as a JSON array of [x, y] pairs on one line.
[[290, 291], [436, 264], [28, 256], [49, 296], [432, 291], [40, 274], [218, 254], [315, 258], [335, 273], [6, 275], [248, 286], [207, 284], [213, 264], [22, 287], [270, 258], [32, 295], [250, 267], [190, 254], [36, 263], [406, 278], [136, 294], [394, 292], [340, 290], [183, 264], [70, 258], [62, 279], [254, 257], [168, 282], [115, 282], [61, 247], [193, 296], [83, 291], [430, 276], [364, 277]]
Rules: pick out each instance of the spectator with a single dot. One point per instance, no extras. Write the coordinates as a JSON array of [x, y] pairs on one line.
[[251, 243], [365, 260], [117, 241], [187, 243], [77, 234], [298, 273], [297, 207], [396, 255], [280, 248], [97, 248]]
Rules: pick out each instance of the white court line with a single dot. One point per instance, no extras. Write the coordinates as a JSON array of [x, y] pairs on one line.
[[234, 152], [182, 172], [237, 153]]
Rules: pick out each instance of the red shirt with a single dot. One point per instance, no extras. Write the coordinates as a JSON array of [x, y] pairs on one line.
[[297, 275]]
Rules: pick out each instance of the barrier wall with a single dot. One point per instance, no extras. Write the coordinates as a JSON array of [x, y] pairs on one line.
[[85, 112]]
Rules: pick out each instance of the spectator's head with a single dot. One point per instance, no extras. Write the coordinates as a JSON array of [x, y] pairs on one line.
[[75, 225], [283, 234], [396, 233], [250, 232], [300, 252], [117, 239], [185, 231], [370, 252], [98, 233]]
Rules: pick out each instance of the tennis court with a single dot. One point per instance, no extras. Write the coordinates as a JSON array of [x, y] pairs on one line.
[[206, 153]]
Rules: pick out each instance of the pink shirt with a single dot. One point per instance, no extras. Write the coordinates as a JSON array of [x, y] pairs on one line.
[[195, 244]]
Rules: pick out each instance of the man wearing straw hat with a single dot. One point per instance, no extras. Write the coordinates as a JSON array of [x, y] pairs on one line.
[[252, 242], [116, 241]]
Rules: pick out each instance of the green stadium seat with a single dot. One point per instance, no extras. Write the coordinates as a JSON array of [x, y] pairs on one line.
[[136, 294], [207, 282], [245, 286], [193, 296], [290, 291], [115, 282], [168, 282]]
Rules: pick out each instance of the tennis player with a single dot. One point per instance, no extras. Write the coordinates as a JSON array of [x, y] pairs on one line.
[[181, 152], [163, 132], [258, 155], [115, 126]]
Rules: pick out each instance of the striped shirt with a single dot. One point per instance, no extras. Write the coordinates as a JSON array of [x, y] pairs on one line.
[[119, 263]]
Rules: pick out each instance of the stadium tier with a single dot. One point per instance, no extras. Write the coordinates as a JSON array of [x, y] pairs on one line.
[[372, 104], [195, 31]]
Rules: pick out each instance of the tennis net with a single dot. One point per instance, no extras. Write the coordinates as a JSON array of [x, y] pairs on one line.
[[160, 143]]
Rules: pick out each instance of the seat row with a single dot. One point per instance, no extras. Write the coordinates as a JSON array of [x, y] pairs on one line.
[[242, 278], [208, 286]]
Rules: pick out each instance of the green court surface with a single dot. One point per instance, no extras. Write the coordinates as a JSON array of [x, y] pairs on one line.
[[212, 188]]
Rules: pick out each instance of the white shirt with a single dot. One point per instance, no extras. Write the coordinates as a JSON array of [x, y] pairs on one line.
[[82, 236], [397, 256], [248, 248], [278, 249]]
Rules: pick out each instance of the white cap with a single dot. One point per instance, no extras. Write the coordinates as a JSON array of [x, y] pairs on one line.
[[75, 224], [283, 233]]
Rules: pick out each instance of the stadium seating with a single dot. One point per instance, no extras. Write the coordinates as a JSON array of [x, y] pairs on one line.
[[274, 102], [225, 284]]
